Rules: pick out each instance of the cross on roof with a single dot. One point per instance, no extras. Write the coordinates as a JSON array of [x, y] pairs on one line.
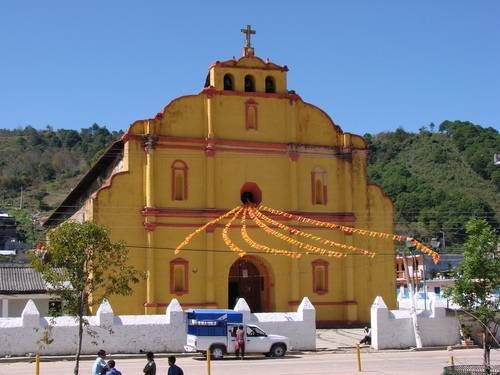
[[248, 31]]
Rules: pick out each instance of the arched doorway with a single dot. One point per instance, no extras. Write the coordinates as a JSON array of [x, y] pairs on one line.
[[249, 279]]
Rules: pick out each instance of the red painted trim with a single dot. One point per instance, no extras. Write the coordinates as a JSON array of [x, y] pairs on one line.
[[326, 303], [267, 65], [212, 91], [182, 167], [322, 176], [181, 147], [213, 213], [190, 304], [326, 114], [268, 283], [185, 264], [316, 264], [210, 229], [250, 105], [108, 183], [253, 188]]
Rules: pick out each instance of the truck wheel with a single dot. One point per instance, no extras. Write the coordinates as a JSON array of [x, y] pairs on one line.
[[278, 350], [217, 351]]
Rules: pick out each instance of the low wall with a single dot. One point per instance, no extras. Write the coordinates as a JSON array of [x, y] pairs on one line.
[[393, 329], [135, 333]]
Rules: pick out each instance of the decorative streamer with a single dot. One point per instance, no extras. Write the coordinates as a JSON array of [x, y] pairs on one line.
[[261, 247], [202, 228], [256, 215], [419, 245], [309, 235], [225, 235], [293, 241]]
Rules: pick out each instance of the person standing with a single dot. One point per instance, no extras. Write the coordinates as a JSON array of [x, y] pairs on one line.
[[100, 363], [150, 368], [173, 369], [240, 342], [112, 370]]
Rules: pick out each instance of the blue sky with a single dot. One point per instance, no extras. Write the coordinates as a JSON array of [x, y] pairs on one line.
[[372, 65]]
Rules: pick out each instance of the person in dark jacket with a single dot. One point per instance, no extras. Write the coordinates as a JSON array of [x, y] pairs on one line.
[[150, 368], [111, 368], [174, 369]]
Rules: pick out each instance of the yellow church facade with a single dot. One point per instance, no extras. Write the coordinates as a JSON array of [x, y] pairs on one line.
[[244, 137]]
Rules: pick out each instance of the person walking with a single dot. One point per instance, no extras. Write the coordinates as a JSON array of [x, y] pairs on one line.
[[150, 368], [240, 342], [173, 368], [99, 363], [111, 368]]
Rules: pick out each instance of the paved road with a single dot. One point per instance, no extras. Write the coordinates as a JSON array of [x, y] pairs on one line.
[[390, 363]]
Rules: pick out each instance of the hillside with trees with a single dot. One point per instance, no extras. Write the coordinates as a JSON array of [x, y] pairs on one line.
[[437, 178], [39, 167]]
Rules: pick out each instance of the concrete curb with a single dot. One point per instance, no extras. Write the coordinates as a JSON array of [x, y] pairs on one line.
[[339, 350]]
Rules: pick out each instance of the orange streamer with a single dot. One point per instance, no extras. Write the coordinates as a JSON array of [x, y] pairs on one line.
[[261, 247], [311, 236]]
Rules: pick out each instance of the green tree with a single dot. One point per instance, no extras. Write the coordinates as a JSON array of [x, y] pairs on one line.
[[477, 279], [83, 266]]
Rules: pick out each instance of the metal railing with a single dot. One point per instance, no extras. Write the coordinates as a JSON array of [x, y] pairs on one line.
[[471, 370]]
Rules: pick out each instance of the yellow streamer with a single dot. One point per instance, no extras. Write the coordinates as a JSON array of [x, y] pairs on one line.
[[227, 240], [419, 245], [202, 228], [261, 247], [293, 241], [311, 236]]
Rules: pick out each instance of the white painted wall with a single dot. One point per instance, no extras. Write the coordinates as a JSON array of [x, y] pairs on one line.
[[393, 329], [299, 326], [132, 333]]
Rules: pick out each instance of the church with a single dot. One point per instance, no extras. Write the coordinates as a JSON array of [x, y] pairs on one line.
[[243, 138]]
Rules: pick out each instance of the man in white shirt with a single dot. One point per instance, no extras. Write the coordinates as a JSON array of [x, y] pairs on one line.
[[99, 363]]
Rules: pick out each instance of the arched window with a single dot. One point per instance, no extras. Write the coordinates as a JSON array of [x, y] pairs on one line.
[[270, 84], [179, 177], [251, 114], [179, 276], [207, 80], [320, 276], [249, 83], [319, 186], [228, 82]]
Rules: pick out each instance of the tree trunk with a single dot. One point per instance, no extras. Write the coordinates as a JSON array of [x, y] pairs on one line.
[[486, 347], [81, 304], [413, 310]]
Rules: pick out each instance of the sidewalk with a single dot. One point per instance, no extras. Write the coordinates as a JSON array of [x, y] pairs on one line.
[[338, 339]]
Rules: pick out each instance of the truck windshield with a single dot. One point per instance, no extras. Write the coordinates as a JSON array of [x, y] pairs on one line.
[[255, 331]]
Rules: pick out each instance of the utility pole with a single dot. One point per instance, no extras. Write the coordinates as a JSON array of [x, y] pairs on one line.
[[413, 310], [444, 241], [21, 200]]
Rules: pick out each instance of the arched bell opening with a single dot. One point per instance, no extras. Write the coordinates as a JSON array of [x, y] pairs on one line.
[[250, 193]]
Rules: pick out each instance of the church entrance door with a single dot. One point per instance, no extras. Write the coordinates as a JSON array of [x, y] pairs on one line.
[[247, 281]]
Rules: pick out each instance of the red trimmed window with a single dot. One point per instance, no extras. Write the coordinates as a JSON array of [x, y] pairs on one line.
[[179, 276], [179, 180], [320, 276], [319, 186], [251, 114]]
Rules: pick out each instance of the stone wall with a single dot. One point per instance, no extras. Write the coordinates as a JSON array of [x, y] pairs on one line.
[[393, 329], [135, 333]]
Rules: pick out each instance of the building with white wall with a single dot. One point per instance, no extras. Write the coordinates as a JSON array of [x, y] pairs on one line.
[[18, 285]]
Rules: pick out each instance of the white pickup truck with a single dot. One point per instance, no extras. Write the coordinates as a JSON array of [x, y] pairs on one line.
[[256, 341]]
